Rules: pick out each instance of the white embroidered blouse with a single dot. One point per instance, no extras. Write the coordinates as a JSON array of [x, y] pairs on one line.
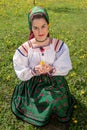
[[56, 53]]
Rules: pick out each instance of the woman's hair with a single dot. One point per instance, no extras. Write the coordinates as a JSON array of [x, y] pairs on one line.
[[38, 16]]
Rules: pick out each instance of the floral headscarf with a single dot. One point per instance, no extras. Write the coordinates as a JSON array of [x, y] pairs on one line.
[[36, 10]]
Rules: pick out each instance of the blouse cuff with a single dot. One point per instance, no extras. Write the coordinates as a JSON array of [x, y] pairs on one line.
[[34, 73], [52, 71]]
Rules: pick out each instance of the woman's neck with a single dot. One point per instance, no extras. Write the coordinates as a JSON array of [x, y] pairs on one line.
[[41, 40], [36, 43]]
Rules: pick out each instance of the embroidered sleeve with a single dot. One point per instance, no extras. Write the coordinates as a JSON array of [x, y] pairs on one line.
[[62, 63], [23, 49], [21, 63], [58, 45]]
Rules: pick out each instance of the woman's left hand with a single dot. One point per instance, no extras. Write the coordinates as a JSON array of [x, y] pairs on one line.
[[48, 68], [43, 69]]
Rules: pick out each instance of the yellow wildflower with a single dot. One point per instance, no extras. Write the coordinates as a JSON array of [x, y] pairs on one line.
[[73, 74], [8, 77], [73, 118], [41, 62], [75, 106], [82, 57], [75, 121], [82, 92]]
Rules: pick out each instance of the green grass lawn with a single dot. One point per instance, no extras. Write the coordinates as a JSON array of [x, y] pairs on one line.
[[68, 22]]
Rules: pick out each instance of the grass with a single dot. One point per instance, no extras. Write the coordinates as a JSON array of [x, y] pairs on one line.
[[68, 21]]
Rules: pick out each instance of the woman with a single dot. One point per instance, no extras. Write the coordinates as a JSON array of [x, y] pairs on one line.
[[41, 64]]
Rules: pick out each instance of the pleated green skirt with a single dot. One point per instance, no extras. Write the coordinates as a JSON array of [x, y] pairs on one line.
[[35, 100]]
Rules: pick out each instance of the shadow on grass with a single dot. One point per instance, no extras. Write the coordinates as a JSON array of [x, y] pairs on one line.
[[54, 125], [79, 114]]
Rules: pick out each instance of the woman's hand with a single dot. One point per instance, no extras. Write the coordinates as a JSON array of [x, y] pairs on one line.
[[43, 69]]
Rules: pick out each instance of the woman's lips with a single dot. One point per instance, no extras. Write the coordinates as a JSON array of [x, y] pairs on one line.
[[41, 35]]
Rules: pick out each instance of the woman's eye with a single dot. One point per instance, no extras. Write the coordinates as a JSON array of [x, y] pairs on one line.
[[35, 28], [43, 26]]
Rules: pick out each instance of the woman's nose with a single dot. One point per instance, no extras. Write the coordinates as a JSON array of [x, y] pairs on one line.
[[40, 31]]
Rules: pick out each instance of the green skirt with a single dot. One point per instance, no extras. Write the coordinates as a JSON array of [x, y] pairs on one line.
[[35, 100]]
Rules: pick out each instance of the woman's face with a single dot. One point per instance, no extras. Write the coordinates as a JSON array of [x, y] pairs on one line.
[[40, 28]]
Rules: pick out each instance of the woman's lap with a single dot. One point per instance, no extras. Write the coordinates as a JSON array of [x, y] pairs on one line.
[[37, 99]]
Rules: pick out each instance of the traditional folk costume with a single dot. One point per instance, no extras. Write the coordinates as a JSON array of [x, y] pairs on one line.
[[37, 97]]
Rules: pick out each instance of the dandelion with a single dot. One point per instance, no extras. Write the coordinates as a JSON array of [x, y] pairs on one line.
[[75, 121], [82, 57], [82, 92], [75, 106], [73, 118], [73, 74], [41, 62], [8, 77]]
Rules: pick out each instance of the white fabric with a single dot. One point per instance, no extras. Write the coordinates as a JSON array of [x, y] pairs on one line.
[[62, 64], [21, 66], [24, 65]]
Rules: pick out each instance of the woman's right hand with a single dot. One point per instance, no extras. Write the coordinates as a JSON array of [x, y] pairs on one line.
[[42, 69]]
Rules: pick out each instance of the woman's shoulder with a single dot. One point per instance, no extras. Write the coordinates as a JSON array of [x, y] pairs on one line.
[[24, 48], [58, 44], [56, 41]]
